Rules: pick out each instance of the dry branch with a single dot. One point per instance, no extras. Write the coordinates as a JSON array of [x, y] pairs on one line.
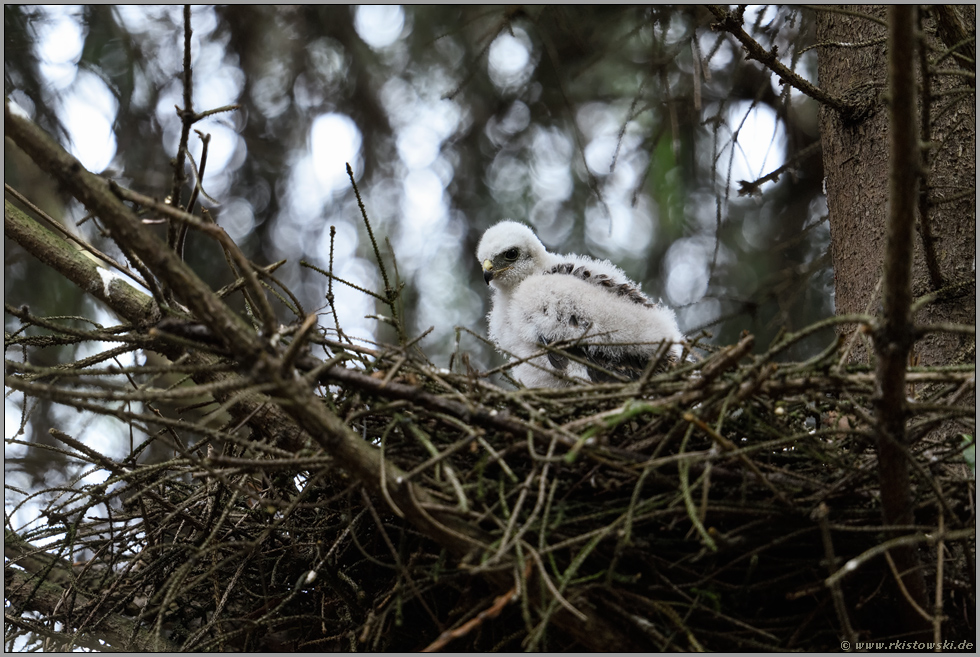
[[894, 338]]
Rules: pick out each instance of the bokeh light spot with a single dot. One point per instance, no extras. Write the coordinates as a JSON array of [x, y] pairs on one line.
[[335, 141], [379, 25]]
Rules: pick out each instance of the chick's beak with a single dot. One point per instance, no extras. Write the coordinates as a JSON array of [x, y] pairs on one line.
[[487, 271]]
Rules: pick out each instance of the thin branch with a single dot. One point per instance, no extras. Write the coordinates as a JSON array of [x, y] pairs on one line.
[[894, 337], [248, 270], [390, 292], [924, 224], [732, 23], [750, 188], [954, 34], [46, 597], [186, 115], [71, 236]]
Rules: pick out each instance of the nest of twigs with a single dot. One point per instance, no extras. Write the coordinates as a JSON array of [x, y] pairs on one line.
[[726, 504]]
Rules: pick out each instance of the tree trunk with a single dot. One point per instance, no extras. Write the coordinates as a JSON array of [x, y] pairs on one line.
[[855, 149], [858, 162]]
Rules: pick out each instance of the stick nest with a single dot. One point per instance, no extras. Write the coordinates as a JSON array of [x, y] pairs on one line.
[[726, 504]]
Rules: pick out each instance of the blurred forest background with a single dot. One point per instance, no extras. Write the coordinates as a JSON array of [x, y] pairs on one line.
[[621, 132]]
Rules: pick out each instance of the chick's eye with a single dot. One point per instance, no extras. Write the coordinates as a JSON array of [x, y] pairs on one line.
[[511, 254]]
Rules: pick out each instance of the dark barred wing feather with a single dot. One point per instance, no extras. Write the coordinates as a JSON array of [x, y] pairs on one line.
[[626, 290], [604, 363]]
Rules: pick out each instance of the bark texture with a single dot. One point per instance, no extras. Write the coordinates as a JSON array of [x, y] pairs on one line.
[[855, 147], [908, 135]]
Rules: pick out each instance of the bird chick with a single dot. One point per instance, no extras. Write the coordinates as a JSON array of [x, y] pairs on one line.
[[602, 325]]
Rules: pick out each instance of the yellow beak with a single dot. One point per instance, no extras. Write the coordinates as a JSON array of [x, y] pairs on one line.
[[487, 271]]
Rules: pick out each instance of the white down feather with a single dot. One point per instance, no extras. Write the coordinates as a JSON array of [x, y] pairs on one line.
[[588, 302]]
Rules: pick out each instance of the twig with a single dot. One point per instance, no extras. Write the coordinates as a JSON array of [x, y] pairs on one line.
[[493, 611], [732, 24], [907, 540], [750, 188], [390, 292], [71, 236], [822, 513], [218, 233], [198, 177], [894, 337], [476, 416], [728, 446], [186, 116], [924, 224]]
